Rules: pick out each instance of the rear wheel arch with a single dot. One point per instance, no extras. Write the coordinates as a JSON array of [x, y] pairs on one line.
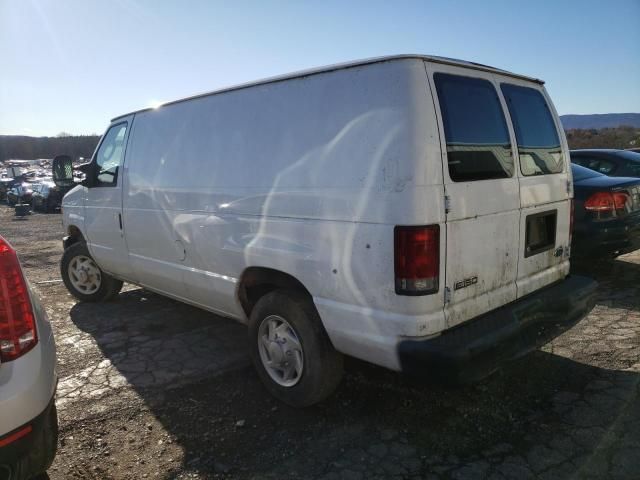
[[256, 282]]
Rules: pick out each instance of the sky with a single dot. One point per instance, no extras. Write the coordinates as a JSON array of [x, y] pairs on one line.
[[72, 65]]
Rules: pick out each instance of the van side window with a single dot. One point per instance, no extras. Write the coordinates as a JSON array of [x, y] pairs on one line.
[[110, 155], [478, 145], [538, 142]]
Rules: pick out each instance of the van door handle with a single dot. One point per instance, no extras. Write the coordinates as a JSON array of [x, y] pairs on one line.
[[120, 220]]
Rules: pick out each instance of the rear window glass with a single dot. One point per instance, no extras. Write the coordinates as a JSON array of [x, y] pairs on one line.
[[629, 155], [538, 142], [631, 170], [580, 173], [601, 165], [478, 145]]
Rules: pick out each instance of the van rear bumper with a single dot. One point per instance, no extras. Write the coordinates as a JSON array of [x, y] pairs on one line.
[[476, 348]]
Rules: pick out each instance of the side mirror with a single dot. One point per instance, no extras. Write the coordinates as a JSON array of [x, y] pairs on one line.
[[63, 171]]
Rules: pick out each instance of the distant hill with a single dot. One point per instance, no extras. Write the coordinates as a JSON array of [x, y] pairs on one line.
[[600, 120], [20, 147]]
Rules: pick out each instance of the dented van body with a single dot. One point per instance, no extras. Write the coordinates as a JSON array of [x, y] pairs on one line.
[[403, 197]]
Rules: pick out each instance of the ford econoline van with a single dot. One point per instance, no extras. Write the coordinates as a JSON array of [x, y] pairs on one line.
[[410, 211]]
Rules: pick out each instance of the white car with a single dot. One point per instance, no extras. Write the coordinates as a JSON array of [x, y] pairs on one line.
[[410, 211], [28, 419]]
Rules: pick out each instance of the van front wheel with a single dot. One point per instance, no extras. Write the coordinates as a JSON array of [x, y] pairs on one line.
[[83, 278], [291, 350]]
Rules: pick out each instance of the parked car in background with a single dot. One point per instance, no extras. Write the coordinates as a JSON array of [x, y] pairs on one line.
[[637, 150], [372, 209], [46, 196], [606, 215], [28, 417], [614, 163], [6, 184], [20, 193]]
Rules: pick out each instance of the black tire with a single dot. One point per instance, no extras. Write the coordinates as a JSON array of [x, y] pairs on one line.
[[40, 457], [109, 286], [50, 446], [322, 364]]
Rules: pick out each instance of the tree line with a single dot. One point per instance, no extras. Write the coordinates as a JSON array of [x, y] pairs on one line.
[[619, 137], [29, 148], [18, 147]]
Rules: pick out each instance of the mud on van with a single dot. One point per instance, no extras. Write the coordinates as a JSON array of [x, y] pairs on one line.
[[410, 211]]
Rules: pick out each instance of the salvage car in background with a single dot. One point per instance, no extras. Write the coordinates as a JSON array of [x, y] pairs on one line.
[[614, 163], [20, 193], [6, 184], [28, 418], [606, 215], [47, 197]]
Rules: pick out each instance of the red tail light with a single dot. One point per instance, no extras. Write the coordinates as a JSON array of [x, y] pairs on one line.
[[417, 259], [607, 201], [17, 322]]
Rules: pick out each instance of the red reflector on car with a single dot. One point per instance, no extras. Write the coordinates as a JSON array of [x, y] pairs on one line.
[[17, 435], [417, 259], [17, 322]]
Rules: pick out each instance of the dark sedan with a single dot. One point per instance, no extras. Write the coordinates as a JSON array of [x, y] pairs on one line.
[[614, 163], [606, 215]]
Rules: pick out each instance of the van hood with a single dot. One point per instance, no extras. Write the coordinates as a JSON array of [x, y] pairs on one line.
[[74, 197]]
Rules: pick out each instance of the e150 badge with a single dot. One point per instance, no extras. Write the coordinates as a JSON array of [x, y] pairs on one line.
[[465, 283]]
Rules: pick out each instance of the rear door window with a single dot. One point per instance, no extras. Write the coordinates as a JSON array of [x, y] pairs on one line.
[[475, 129], [538, 141]]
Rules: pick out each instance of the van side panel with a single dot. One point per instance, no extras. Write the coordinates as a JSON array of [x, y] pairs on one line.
[[308, 176]]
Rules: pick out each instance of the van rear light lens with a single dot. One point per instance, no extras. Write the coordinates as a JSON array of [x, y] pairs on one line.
[[417, 259], [17, 322], [607, 201]]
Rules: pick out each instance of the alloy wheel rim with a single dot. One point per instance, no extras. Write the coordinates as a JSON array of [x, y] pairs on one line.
[[280, 351], [84, 275]]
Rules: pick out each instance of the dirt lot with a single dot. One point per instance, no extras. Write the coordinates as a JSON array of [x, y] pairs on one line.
[[150, 388]]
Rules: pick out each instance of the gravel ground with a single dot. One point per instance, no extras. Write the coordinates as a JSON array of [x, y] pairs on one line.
[[151, 388]]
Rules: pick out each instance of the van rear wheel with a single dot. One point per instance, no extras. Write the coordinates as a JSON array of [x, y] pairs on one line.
[[291, 351], [83, 278]]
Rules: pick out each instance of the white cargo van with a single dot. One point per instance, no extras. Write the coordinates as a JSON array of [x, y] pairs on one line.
[[410, 211]]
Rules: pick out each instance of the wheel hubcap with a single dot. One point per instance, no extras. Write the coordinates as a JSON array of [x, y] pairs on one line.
[[280, 351], [84, 274]]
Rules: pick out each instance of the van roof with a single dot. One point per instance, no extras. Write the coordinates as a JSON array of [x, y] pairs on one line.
[[340, 66]]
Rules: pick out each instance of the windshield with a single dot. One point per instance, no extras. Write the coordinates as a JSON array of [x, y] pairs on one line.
[[581, 173]]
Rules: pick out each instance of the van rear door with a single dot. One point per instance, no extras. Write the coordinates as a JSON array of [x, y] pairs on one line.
[[545, 185], [482, 192]]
